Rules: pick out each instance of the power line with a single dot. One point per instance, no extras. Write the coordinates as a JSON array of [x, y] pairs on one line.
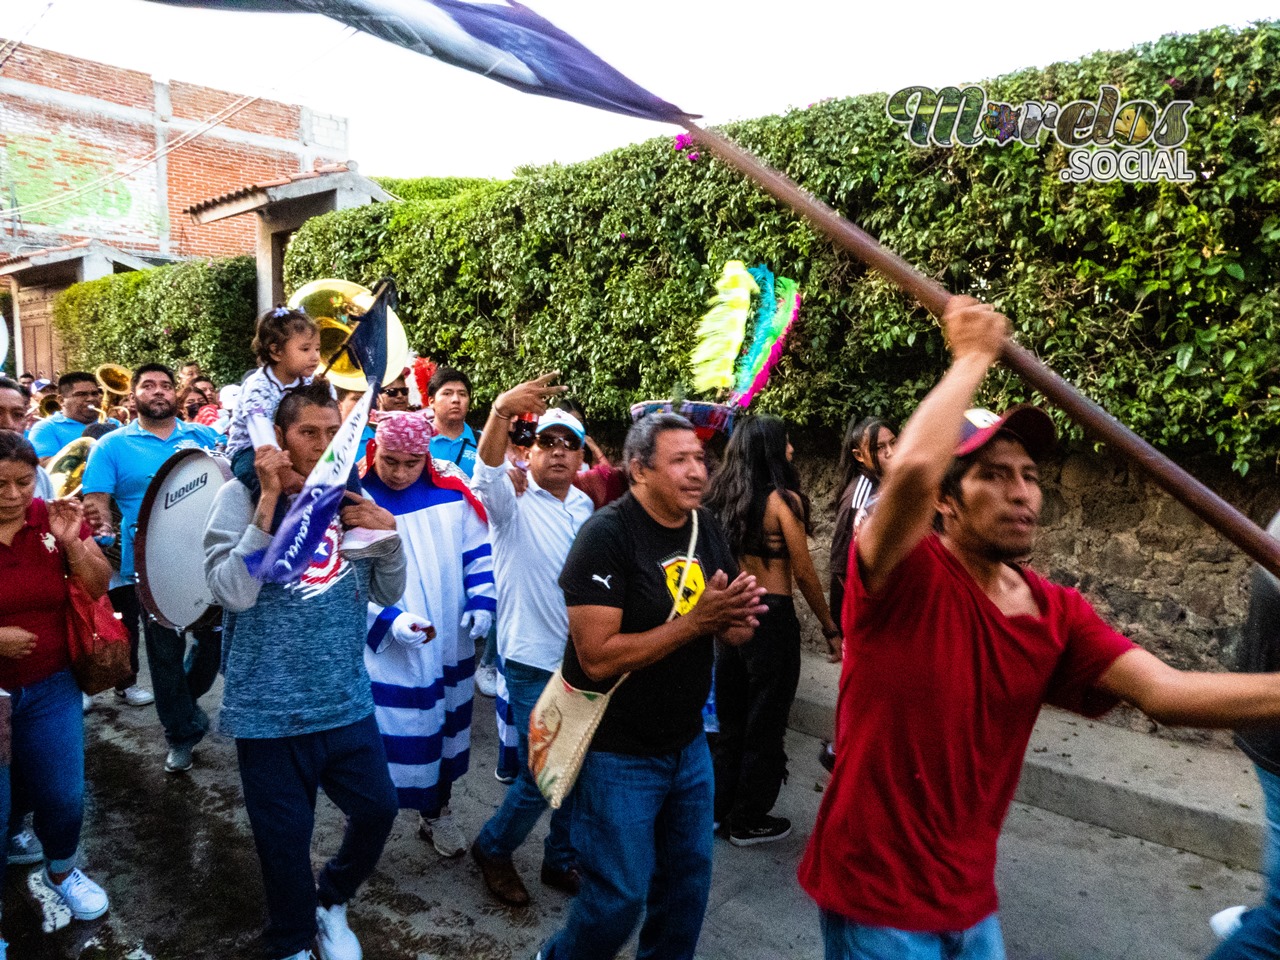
[[11, 47], [216, 119]]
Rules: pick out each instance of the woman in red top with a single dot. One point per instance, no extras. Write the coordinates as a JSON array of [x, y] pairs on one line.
[[40, 544]]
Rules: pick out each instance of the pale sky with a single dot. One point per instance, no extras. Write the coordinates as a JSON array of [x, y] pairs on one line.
[[412, 116]]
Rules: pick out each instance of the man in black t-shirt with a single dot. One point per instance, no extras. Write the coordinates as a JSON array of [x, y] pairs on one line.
[[642, 825]]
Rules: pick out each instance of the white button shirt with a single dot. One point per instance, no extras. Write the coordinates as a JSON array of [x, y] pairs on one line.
[[531, 536]]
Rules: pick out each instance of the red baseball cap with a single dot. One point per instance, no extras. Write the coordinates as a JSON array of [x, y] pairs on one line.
[[1027, 424]]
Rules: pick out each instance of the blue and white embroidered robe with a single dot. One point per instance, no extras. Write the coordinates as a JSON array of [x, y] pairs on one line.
[[422, 694]]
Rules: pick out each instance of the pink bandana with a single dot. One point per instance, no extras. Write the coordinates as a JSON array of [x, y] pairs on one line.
[[409, 433]]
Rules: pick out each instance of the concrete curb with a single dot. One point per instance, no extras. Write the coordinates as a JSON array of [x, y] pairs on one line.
[[1200, 799]]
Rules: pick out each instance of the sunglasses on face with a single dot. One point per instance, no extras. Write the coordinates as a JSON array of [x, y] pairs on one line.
[[396, 391], [550, 443]]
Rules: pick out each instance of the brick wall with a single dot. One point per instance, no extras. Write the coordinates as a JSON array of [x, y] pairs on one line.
[[66, 123]]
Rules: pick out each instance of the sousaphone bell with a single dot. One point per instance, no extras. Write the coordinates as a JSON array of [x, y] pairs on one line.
[[66, 469], [114, 381], [335, 305]]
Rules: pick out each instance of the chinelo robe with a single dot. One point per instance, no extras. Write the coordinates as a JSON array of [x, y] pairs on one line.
[[422, 693]]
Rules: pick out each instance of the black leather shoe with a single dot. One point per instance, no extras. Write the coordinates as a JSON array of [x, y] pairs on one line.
[[566, 881]]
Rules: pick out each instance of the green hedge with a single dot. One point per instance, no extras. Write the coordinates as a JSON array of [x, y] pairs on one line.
[[1161, 301], [429, 188], [196, 310]]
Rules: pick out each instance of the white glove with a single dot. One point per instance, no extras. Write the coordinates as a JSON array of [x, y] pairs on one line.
[[479, 622], [411, 629]]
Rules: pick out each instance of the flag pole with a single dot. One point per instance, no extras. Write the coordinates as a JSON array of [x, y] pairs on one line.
[[1175, 481]]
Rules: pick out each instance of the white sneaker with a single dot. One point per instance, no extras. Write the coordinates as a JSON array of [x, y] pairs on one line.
[[135, 696], [84, 898], [24, 849], [487, 681], [443, 834], [86, 702], [334, 940], [1226, 922]]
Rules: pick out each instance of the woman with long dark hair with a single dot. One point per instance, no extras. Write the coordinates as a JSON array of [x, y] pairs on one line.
[[41, 546], [867, 450], [756, 495]]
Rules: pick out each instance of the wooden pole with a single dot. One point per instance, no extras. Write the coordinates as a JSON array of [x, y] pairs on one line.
[[1175, 481]]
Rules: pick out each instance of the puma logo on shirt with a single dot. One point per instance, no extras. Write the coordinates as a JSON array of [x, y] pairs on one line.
[[603, 580]]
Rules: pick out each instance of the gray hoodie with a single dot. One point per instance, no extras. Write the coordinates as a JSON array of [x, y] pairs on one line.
[[292, 656]]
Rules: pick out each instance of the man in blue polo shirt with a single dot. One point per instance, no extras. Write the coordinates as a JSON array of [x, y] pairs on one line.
[[80, 396], [449, 394], [122, 466]]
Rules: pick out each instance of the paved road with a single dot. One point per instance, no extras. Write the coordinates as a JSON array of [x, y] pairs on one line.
[[177, 859]]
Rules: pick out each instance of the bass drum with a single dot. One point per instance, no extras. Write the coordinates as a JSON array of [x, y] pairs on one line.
[[167, 549]]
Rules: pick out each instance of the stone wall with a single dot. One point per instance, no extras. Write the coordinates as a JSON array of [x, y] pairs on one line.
[[1151, 568]]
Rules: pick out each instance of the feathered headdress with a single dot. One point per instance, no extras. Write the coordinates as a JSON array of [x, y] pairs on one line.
[[722, 328], [769, 338], [420, 374]]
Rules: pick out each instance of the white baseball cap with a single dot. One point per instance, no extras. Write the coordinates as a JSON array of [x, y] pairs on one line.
[[555, 417]]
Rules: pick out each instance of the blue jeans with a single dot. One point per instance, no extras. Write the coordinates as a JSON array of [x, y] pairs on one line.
[[280, 777], [180, 677], [47, 772], [524, 803], [642, 832], [1259, 933], [844, 939]]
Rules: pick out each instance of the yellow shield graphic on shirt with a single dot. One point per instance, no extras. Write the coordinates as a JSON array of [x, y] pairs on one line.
[[694, 584]]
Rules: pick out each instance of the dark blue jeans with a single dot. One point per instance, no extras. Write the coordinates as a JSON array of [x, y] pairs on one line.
[[1259, 933], [180, 677], [280, 777], [47, 773], [524, 803], [642, 832], [125, 601]]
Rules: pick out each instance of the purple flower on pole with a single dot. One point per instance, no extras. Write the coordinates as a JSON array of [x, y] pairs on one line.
[[683, 142]]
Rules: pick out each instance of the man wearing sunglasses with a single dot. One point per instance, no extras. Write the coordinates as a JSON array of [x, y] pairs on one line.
[[531, 536], [80, 396], [394, 397]]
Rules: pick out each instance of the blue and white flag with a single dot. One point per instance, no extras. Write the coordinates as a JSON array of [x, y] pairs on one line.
[[302, 531], [503, 40]]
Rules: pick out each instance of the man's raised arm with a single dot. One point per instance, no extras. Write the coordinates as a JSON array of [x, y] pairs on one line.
[[904, 510]]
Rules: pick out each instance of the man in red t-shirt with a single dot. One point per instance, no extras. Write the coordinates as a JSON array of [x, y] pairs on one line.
[[951, 647]]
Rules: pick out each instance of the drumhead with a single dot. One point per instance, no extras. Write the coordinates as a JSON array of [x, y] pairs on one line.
[[168, 552]]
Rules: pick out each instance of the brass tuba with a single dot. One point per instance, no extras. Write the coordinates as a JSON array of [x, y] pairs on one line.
[[114, 381], [49, 405], [333, 304], [66, 469]]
